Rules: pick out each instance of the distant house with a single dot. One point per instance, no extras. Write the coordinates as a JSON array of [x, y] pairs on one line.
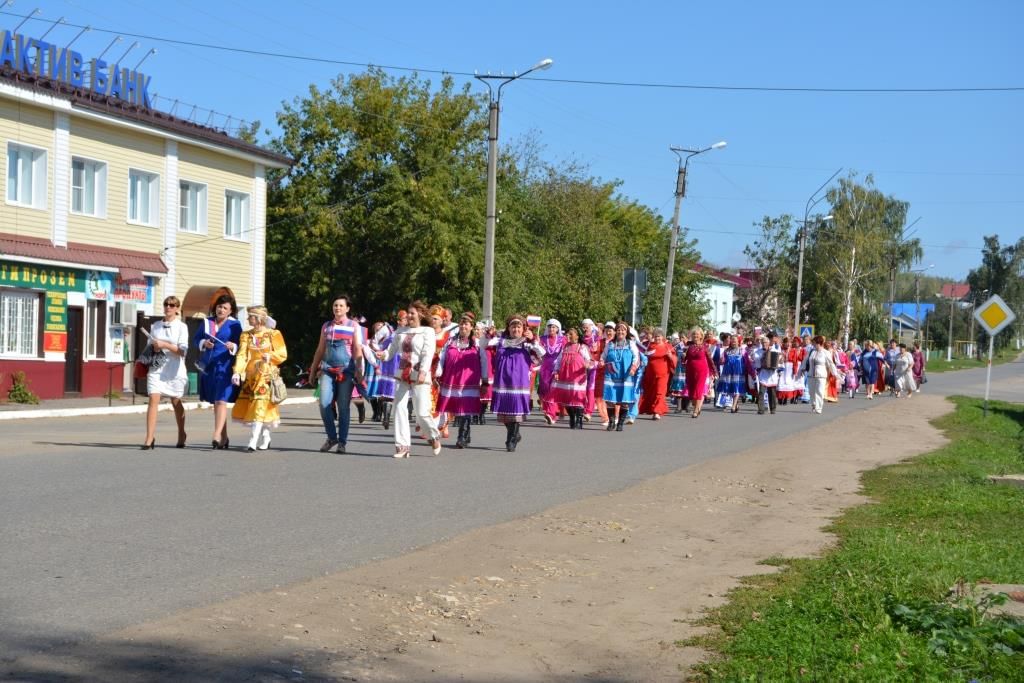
[[720, 295], [955, 291]]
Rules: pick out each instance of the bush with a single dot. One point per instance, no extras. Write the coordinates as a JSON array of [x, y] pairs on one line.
[[19, 391]]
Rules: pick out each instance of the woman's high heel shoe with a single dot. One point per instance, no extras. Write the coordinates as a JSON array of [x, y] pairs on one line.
[[150, 446], [181, 442], [215, 445]]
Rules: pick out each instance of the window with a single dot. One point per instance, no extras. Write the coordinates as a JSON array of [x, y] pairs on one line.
[[143, 197], [26, 176], [193, 207], [19, 323], [88, 187], [96, 337], [236, 215]]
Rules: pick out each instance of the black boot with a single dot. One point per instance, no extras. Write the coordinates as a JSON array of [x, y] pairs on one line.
[[579, 418], [385, 414], [510, 444], [572, 418], [483, 409], [375, 404], [468, 424], [461, 441], [516, 436], [361, 409], [612, 419], [622, 421], [679, 405]]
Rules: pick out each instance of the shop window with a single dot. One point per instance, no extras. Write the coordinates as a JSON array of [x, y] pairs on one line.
[[26, 176], [143, 197], [88, 187], [19, 323], [193, 207], [96, 326], [236, 215]]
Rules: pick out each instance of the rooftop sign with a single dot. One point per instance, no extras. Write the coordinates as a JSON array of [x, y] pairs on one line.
[[46, 60]]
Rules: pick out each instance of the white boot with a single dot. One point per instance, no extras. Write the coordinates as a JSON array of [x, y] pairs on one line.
[[255, 430], [264, 438]]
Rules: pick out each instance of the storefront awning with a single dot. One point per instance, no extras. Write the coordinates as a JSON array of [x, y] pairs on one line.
[[130, 264]]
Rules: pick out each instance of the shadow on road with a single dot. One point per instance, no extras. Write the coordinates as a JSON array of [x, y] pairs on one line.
[[131, 661]]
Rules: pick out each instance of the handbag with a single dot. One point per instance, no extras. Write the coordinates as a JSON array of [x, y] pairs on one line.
[[278, 389]]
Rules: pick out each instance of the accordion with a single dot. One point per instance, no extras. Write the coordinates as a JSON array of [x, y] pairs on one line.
[[771, 360]]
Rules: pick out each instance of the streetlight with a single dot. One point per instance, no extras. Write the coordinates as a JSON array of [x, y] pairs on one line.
[[917, 299], [494, 110], [802, 235], [680, 193]]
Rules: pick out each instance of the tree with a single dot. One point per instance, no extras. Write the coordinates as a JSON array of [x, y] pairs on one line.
[[1001, 272], [773, 256]]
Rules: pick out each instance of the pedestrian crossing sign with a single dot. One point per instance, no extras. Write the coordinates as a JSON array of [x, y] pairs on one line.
[[807, 330], [994, 315]]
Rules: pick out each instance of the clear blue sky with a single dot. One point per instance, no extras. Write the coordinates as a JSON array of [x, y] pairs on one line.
[[958, 158]]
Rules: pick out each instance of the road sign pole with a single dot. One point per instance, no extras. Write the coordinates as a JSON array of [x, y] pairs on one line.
[[988, 373]]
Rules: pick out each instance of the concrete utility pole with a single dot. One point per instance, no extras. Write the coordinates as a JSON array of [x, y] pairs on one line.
[[494, 111], [680, 193]]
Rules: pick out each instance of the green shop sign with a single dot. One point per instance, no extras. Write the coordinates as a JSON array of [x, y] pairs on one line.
[[33, 276]]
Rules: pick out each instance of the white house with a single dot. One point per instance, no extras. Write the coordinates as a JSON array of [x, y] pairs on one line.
[[720, 296]]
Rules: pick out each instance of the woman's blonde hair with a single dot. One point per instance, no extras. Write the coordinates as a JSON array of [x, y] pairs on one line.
[[259, 311]]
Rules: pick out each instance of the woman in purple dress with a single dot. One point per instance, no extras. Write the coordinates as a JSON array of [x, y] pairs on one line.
[[514, 358]]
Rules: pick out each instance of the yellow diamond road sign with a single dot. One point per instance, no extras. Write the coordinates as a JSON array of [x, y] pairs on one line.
[[994, 315]]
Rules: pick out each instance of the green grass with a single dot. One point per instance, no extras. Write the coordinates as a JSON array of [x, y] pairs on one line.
[[942, 365], [875, 607]]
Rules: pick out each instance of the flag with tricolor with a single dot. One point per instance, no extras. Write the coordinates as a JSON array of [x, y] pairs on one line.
[[533, 320]]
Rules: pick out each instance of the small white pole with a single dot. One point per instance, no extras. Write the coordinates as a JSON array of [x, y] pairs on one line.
[[988, 373]]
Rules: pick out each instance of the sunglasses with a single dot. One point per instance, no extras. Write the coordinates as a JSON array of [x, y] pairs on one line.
[[170, 305]]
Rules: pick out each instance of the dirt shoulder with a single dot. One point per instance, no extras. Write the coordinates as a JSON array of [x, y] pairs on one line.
[[597, 589]]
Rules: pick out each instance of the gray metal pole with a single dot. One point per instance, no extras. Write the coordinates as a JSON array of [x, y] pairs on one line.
[[492, 211], [799, 277], [667, 298], [917, 309], [949, 342]]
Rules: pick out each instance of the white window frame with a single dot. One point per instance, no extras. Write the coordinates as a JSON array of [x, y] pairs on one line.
[[244, 200], [99, 187], [201, 209], [94, 332], [153, 186], [9, 299], [38, 190]]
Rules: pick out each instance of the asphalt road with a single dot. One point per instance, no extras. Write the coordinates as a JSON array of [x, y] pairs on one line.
[[96, 534]]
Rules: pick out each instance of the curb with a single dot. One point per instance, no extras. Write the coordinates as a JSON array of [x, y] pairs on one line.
[[119, 410]]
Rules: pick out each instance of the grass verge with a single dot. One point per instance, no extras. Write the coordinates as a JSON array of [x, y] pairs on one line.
[[942, 365], [876, 607]]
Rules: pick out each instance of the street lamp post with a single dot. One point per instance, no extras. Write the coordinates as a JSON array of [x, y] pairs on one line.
[[949, 341], [974, 303], [917, 301], [494, 110], [680, 193], [802, 236]]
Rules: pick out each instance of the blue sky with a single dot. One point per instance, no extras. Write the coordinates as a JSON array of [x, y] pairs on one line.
[[958, 158]]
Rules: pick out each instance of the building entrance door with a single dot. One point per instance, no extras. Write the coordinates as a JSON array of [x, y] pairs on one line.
[[73, 356]]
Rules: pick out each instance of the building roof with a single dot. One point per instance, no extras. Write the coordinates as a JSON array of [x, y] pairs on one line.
[[87, 100], [955, 291], [721, 275], [130, 264]]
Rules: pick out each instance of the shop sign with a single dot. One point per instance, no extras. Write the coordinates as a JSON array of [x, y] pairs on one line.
[[55, 322], [36, 57], [103, 286], [50, 278]]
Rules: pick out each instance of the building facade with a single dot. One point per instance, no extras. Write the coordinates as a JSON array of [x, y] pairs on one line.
[[108, 208], [720, 295]]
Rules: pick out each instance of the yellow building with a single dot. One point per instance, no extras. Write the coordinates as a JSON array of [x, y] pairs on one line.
[[109, 207]]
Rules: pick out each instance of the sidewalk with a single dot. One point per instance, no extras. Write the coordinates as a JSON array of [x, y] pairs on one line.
[[129, 403]]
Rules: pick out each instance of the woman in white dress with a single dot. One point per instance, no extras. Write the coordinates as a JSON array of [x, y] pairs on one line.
[[167, 375]]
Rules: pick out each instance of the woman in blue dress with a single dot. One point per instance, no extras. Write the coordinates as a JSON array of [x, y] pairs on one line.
[[621, 360], [217, 341], [870, 361], [733, 380]]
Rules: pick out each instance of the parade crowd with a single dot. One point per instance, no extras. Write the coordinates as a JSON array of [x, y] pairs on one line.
[[445, 375]]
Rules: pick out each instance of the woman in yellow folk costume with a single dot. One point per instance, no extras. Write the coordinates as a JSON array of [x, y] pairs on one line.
[[260, 351]]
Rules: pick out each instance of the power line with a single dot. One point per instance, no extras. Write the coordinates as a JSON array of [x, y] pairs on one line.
[[572, 81]]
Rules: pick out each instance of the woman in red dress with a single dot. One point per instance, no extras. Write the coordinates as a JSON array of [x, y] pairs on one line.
[[699, 367], [661, 362]]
